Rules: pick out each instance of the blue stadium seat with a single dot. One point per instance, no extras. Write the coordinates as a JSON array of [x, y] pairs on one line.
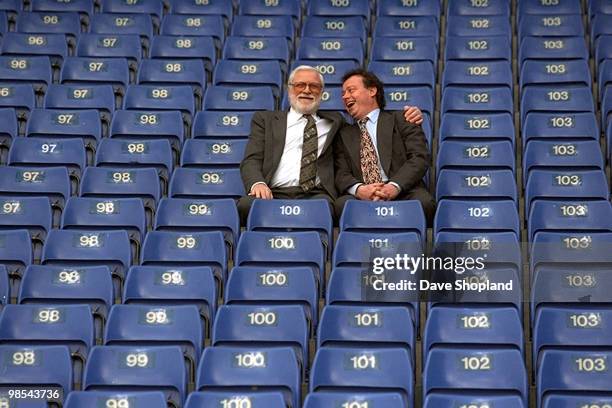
[[172, 248], [567, 400], [146, 125], [293, 215], [477, 73], [550, 25], [478, 48], [85, 7], [400, 96], [41, 152], [418, 8], [193, 47], [478, 26], [68, 325], [122, 23], [569, 184], [155, 8], [346, 368], [144, 325], [88, 248], [99, 97], [194, 25], [492, 8], [357, 249], [492, 184], [577, 249], [404, 73], [407, 26], [19, 97], [335, 398], [204, 153], [253, 399], [560, 126], [559, 326], [573, 372], [396, 216], [464, 216], [157, 285], [477, 99], [8, 127], [52, 182], [13, 6], [495, 370], [220, 7], [359, 8], [478, 127], [331, 70], [547, 72], [173, 72], [137, 153], [272, 286], [486, 326], [151, 97], [137, 368], [20, 44], [605, 74], [600, 25], [258, 48], [446, 399], [118, 182], [46, 367], [221, 124], [111, 46], [15, 251], [568, 155], [84, 399], [61, 21], [199, 215], [263, 26], [52, 285], [100, 214], [569, 216], [332, 48], [603, 51], [552, 48], [498, 154], [31, 213], [539, 8], [598, 7], [606, 106], [291, 8], [270, 325], [33, 70], [367, 326], [238, 98], [282, 249], [240, 369], [342, 25], [59, 124], [345, 287], [405, 49], [206, 183], [249, 73]]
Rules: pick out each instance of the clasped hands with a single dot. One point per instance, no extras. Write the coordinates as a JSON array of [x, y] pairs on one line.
[[377, 192]]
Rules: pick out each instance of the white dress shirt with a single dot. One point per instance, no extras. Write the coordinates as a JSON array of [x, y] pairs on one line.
[[288, 172], [371, 125]]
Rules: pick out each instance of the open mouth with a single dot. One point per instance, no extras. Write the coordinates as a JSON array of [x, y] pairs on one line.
[[306, 97], [350, 104]]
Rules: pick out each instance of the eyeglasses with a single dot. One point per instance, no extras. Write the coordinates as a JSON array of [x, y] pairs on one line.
[[301, 86]]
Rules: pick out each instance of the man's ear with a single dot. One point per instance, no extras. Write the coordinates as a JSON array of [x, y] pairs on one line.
[[372, 91]]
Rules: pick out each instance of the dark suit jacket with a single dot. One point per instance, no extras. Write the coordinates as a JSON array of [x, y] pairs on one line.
[[267, 141], [402, 148]]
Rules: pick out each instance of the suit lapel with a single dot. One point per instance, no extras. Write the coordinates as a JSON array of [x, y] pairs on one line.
[[332, 132], [384, 139], [279, 130], [352, 140]]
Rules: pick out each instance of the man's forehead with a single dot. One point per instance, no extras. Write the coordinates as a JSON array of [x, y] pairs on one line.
[[305, 74]]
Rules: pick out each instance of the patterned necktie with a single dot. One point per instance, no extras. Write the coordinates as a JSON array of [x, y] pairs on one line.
[[310, 145], [367, 155]]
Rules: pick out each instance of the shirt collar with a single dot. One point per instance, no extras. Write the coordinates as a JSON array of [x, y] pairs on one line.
[[293, 117], [373, 116]]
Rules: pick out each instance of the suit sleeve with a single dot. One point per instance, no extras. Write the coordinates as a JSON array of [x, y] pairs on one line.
[[342, 166], [251, 167], [417, 154]]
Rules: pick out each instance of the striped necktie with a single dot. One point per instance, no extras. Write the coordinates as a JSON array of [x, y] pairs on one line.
[[310, 145]]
